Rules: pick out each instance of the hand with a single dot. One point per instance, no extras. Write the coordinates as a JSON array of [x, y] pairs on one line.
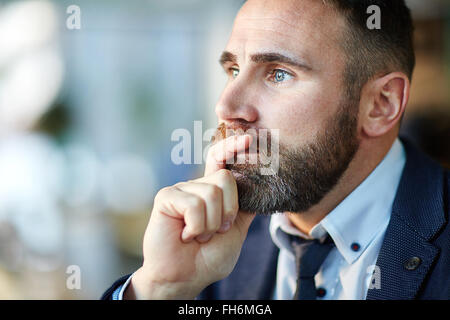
[[195, 232]]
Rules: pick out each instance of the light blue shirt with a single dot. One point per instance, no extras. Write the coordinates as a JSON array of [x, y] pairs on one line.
[[118, 293], [359, 221], [357, 226]]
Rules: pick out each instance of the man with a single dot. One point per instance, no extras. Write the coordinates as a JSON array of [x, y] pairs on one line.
[[359, 213]]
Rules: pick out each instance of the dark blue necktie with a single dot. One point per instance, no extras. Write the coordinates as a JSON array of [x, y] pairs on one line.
[[309, 256]]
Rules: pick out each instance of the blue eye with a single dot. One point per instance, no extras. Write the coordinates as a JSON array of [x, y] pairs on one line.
[[280, 75], [234, 72]]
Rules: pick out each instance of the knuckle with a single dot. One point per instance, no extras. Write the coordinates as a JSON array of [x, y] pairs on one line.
[[180, 184], [196, 203], [224, 174], [162, 193], [213, 193]]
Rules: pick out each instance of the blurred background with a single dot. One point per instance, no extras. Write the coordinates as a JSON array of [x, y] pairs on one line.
[[87, 114]]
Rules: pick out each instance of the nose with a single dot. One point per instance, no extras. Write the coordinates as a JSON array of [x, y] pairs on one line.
[[237, 103]]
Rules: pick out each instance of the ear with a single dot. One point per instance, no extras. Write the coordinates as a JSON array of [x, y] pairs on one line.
[[383, 103]]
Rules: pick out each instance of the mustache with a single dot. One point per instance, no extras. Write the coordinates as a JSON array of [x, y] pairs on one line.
[[262, 137]]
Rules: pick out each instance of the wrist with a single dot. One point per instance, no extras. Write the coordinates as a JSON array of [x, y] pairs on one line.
[[143, 287]]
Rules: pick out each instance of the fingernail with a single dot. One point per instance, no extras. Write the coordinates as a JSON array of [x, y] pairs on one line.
[[204, 238], [225, 226]]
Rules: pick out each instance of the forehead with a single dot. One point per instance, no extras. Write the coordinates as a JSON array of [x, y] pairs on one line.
[[304, 27]]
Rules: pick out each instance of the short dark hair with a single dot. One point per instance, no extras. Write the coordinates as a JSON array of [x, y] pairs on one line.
[[374, 51]]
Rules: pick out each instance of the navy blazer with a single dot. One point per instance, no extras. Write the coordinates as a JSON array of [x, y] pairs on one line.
[[414, 259]]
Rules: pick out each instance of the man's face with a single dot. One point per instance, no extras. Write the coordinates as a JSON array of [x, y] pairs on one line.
[[286, 71]]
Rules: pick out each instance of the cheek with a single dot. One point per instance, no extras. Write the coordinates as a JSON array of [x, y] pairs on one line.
[[299, 115]]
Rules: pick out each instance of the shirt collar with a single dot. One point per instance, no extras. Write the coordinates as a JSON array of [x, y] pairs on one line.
[[280, 227], [360, 216]]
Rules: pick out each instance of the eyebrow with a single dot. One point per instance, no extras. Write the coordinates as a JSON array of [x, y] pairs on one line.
[[265, 58], [277, 57], [227, 57]]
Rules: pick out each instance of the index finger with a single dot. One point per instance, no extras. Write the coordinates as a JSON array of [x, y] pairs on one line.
[[225, 149]]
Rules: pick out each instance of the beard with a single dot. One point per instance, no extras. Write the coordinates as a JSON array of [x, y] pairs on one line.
[[305, 174]]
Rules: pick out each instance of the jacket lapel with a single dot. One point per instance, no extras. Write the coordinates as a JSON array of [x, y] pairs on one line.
[[254, 276], [417, 215]]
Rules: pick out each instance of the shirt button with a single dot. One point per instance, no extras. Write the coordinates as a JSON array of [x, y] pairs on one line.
[[355, 246], [412, 263], [321, 292]]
